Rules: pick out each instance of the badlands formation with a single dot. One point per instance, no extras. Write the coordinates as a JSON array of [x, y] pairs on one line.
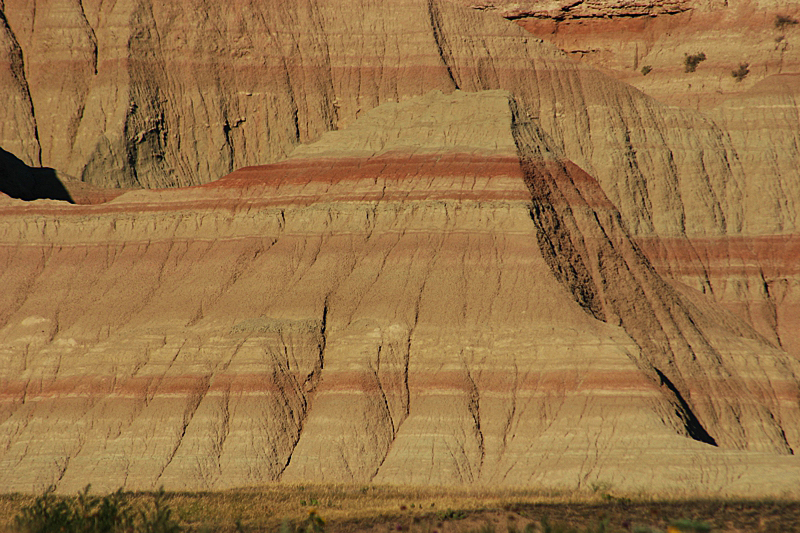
[[645, 42], [451, 253]]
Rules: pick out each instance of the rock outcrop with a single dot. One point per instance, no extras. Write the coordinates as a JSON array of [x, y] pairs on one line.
[[563, 282], [137, 94], [433, 295], [646, 43]]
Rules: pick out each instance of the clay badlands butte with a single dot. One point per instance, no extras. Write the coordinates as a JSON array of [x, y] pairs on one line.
[[423, 242]]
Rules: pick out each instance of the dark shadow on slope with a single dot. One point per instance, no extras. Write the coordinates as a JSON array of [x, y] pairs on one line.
[[601, 267], [582, 238], [693, 425], [20, 181]]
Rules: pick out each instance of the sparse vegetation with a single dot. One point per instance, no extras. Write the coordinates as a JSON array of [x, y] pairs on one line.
[[741, 73], [313, 523], [546, 527], [690, 62], [276, 508], [93, 514], [646, 70], [782, 21], [690, 526], [450, 515]]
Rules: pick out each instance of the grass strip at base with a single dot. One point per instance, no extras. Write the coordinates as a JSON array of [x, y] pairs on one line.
[[374, 508]]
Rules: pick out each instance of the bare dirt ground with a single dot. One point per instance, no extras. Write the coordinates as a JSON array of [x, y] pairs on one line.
[[720, 516]]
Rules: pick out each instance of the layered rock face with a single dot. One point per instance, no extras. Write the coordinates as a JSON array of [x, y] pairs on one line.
[[564, 283], [749, 267], [646, 43], [138, 94], [433, 295]]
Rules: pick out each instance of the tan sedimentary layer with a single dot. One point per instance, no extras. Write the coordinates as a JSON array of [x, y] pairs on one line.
[[214, 393], [755, 277], [160, 95], [423, 316], [756, 117]]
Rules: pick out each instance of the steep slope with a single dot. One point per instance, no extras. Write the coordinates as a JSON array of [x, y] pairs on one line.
[[17, 121], [141, 94], [646, 43], [672, 173], [433, 295], [170, 100]]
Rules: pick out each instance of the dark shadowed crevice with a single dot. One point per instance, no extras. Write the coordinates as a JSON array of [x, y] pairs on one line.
[[92, 36], [20, 181], [441, 42], [562, 256], [474, 407], [306, 390], [690, 421], [17, 69], [562, 246], [567, 14]]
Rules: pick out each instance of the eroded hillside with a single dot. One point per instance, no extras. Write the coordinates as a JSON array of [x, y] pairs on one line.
[[444, 301], [153, 95], [562, 282], [737, 44]]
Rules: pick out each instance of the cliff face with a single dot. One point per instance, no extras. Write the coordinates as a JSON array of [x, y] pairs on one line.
[[645, 43], [748, 268], [152, 94], [137, 94], [563, 282], [445, 301]]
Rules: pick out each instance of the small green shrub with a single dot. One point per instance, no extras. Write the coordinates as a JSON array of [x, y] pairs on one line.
[[690, 526], [782, 21], [547, 527], [690, 62], [741, 73], [159, 518], [46, 513], [93, 514], [600, 486], [646, 70], [313, 523], [450, 514]]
